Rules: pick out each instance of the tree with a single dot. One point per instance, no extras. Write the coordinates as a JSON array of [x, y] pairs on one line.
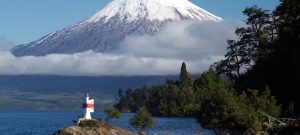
[[267, 52], [111, 113], [120, 93], [217, 101], [168, 105], [237, 59], [223, 108], [209, 80], [126, 102], [278, 66], [123, 103], [285, 62], [142, 119], [251, 44], [185, 78]]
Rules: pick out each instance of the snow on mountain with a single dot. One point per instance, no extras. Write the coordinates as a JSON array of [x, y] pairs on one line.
[[103, 31], [152, 10]]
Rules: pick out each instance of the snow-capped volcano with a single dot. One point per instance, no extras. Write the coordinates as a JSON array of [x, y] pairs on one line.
[[105, 29]]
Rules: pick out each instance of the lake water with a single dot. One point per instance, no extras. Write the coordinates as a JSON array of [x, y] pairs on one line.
[[45, 122]]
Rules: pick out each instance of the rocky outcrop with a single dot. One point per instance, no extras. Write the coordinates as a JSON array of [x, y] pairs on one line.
[[103, 129]]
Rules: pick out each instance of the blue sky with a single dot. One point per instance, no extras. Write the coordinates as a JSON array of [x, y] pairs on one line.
[[22, 21]]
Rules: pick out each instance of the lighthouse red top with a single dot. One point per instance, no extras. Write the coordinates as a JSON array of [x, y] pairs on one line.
[[85, 105], [89, 102]]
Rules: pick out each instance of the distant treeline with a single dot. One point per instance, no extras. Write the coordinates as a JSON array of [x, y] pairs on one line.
[[263, 61], [174, 98]]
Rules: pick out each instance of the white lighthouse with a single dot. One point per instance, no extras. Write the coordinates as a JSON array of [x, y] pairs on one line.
[[89, 107]]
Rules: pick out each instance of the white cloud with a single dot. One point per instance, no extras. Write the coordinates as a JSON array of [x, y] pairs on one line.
[[197, 44], [5, 44], [87, 63], [187, 40]]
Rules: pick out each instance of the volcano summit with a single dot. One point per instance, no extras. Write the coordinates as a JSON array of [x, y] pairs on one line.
[[103, 31]]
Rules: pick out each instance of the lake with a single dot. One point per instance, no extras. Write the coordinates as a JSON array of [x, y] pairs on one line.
[[47, 122]]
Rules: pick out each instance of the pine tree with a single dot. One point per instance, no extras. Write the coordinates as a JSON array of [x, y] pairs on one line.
[[185, 78], [142, 119]]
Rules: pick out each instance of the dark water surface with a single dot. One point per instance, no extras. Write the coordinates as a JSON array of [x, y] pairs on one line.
[[47, 122]]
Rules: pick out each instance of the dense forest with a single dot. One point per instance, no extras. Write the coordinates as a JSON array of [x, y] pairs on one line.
[[259, 75], [268, 53]]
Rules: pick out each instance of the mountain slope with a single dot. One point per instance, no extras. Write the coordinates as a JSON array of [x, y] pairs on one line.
[[105, 29]]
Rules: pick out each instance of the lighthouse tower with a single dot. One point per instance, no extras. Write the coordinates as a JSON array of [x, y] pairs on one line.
[[89, 107]]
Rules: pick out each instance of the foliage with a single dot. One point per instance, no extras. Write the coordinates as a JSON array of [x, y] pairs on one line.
[[142, 119], [185, 78], [90, 123], [221, 107], [213, 100], [243, 53], [169, 99], [267, 52], [111, 113], [251, 104], [217, 101]]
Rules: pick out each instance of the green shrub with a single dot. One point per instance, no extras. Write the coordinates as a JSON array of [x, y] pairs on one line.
[[111, 113], [142, 119], [90, 123]]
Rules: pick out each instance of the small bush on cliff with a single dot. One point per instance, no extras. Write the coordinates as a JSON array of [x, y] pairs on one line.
[[90, 123]]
